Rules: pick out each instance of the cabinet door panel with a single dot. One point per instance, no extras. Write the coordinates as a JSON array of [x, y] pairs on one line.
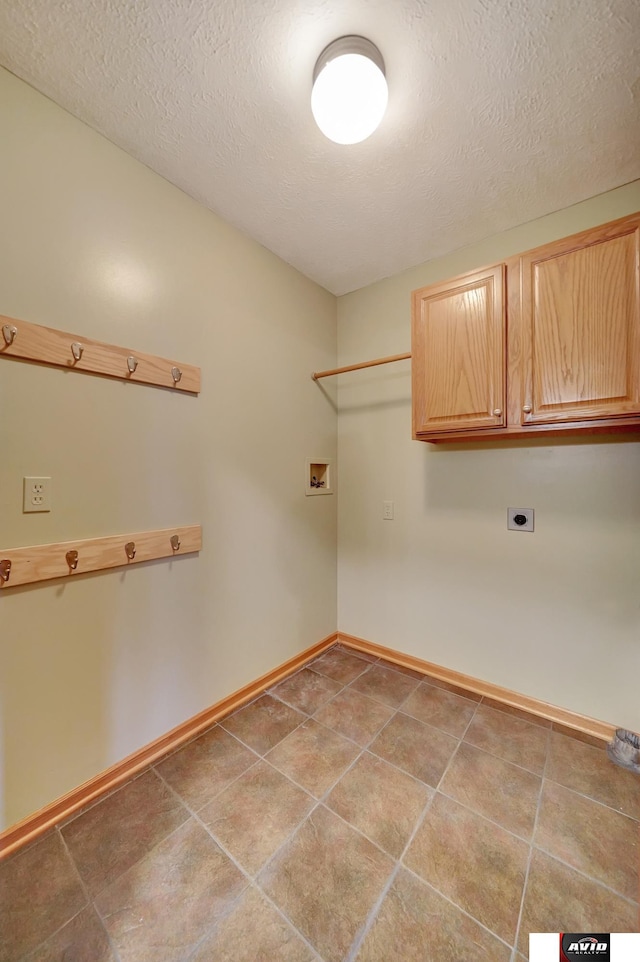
[[458, 354], [581, 330]]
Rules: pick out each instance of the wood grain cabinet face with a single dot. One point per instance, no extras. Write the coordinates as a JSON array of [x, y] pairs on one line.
[[458, 354], [581, 328]]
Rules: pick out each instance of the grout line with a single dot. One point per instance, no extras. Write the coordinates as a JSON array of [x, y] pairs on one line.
[[288, 921], [255, 752], [352, 741], [225, 915], [385, 761], [92, 804], [533, 834], [251, 879], [492, 821], [591, 798], [457, 748], [506, 761], [187, 805], [589, 878], [448, 899], [274, 694], [373, 913], [67, 850], [90, 904], [356, 945], [379, 700], [319, 671], [360, 695], [75, 915]]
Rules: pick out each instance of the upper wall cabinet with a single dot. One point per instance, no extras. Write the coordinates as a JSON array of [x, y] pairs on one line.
[[581, 328], [563, 322], [458, 354]]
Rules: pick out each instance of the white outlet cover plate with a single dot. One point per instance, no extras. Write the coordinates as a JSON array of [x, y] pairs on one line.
[[36, 495], [512, 513]]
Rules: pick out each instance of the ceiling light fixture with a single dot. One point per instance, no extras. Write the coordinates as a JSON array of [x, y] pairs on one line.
[[349, 95]]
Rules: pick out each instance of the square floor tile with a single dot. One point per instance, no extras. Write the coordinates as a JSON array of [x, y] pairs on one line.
[[326, 880], [161, 908], [204, 767], [83, 939], [314, 757], [256, 814], [39, 892], [418, 749], [591, 837], [389, 687], [306, 690], [588, 770], [354, 715], [339, 665], [416, 924], [381, 801], [253, 932], [111, 836], [440, 708], [558, 899], [509, 737], [476, 864], [263, 723], [494, 788]]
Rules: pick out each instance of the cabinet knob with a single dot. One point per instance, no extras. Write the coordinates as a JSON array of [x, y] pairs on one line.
[[497, 413], [526, 408]]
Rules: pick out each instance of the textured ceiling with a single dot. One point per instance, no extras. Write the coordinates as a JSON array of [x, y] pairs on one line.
[[499, 111]]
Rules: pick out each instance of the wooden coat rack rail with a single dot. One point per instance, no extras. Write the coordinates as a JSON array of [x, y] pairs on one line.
[[358, 367], [24, 341], [42, 562]]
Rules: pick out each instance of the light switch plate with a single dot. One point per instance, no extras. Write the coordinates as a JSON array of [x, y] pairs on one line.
[[520, 519]]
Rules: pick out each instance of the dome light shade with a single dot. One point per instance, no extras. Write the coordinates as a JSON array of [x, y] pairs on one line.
[[349, 95]]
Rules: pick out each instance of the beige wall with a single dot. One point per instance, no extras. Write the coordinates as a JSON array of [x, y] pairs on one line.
[[555, 614], [95, 243]]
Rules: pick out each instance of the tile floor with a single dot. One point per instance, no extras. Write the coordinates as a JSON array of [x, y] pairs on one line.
[[356, 811]]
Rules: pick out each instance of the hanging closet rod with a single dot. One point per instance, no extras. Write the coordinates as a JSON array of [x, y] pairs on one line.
[[358, 367]]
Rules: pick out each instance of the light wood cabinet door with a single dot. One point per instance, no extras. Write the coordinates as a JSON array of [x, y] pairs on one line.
[[581, 327], [458, 354]]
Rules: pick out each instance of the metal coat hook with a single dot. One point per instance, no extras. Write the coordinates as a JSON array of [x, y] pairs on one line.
[[77, 350], [5, 570], [132, 363], [130, 549], [72, 559], [175, 542], [9, 332], [176, 374]]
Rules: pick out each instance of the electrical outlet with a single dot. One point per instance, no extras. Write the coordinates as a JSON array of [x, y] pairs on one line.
[[520, 519], [387, 510], [36, 495]]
